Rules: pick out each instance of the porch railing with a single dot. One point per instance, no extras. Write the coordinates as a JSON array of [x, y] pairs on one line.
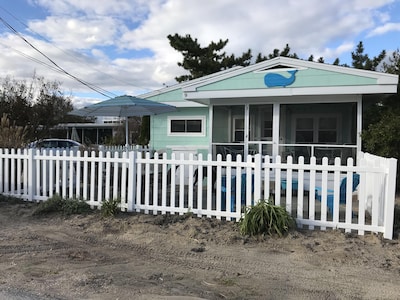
[[320, 151], [213, 188]]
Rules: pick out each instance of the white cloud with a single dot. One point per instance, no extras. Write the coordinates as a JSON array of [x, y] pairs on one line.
[[126, 9], [77, 33], [388, 27], [87, 30]]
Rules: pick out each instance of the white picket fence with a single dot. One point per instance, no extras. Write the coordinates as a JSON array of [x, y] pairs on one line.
[[156, 184]]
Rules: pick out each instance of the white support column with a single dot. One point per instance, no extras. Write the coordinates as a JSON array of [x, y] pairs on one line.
[[246, 130], [131, 198], [275, 130], [210, 129], [359, 123]]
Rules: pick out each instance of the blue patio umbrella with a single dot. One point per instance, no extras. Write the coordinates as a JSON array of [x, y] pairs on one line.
[[124, 106]]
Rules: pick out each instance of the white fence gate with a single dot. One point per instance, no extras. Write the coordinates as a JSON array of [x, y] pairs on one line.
[[313, 193]]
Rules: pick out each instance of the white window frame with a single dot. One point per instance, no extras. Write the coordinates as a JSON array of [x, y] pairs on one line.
[[176, 118], [234, 129], [316, 130]]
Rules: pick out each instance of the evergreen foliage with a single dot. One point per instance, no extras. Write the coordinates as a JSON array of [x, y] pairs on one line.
[[276, 53], [362, 61], [201, 61]]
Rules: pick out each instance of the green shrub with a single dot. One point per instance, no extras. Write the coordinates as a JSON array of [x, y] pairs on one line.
[[51, 205], [265, 218], [10, 199], [64, 206], [75, 207], [109, 208]]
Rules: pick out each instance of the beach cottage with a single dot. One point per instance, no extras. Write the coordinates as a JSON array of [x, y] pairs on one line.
[[281, 106], [299, 114]]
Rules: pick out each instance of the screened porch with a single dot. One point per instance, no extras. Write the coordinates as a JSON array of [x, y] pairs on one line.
[[316, 129]]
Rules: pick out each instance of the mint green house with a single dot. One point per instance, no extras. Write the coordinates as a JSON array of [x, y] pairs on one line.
[[280, 106]]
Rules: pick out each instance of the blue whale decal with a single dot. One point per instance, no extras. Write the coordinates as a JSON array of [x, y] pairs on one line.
[[275, 79]]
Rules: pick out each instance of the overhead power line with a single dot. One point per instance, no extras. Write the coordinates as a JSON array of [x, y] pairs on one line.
[[53, 63], [68, 52]]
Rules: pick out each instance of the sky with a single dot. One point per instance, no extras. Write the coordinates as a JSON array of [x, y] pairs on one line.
[[121, 47]]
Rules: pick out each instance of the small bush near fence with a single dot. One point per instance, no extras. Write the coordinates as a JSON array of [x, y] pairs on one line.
[[10, 199], [109, 208], [65, 206], [266, 218]]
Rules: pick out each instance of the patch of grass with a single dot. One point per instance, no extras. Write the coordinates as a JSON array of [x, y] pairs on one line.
[[10, 199], [265, 218], [110, 208], [57, 204]]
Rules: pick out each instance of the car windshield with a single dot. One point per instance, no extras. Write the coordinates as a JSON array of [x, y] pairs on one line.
[[57, 143]]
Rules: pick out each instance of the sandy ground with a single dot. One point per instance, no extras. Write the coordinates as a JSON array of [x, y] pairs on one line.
[[136, 256]]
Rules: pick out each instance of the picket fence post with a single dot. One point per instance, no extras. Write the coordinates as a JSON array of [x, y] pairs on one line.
[[390, 198], [131, 181], [1, 171], [31, 175], [257, 178]]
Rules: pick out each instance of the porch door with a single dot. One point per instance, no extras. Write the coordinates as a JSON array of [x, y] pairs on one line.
[[260, 131]]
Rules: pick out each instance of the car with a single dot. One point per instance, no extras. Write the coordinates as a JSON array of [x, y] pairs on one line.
[[56, 143]]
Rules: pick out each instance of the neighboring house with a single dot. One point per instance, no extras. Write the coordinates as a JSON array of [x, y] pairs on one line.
[[90, 133], [280, 106]]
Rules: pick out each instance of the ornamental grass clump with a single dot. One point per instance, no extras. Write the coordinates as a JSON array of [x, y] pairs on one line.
[[110, 208], [266, 218]]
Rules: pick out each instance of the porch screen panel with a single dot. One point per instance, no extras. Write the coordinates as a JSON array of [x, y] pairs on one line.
[[221, 128], [228, 124], [260, 119]]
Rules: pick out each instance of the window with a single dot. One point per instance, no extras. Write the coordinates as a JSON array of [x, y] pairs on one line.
[[238, 129], [190, 126], [304, 130], [317, 129], [267, 130], [327, 130]]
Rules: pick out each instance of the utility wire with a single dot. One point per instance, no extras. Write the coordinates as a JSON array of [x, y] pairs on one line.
[[67, 52], [34, 59], [87, 84]]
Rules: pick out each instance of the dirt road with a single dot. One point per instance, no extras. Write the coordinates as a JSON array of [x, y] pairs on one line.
[[136, 256]]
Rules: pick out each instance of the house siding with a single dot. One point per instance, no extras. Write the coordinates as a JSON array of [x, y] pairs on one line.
[[170, 96], [304, 78], [159, 131]]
